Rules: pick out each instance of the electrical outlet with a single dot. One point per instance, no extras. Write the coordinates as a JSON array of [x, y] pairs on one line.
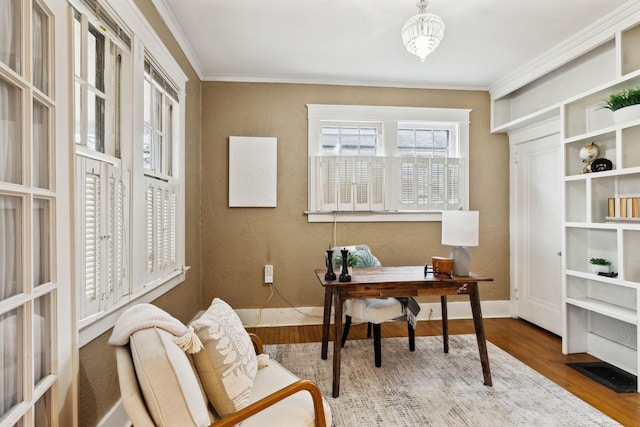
[[268, 273]]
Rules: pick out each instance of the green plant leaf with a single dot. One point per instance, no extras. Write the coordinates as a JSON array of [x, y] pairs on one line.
[[622, 98]]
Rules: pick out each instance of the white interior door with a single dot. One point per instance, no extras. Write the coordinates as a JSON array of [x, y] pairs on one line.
[[536, 233]]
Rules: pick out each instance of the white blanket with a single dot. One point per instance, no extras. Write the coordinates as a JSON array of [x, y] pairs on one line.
[[142, 316]]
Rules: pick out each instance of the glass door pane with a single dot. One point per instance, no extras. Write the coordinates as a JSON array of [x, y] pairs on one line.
[[42, 338], [11, 357], [40, 44], [40, 153], [10, 134], [43, 411], [10, 246], [41, 242], [10, 37]]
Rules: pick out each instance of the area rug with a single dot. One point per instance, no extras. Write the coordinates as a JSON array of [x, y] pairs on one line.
[[430, 388]]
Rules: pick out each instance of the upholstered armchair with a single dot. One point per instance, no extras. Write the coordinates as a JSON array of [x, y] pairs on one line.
[[168, 376]]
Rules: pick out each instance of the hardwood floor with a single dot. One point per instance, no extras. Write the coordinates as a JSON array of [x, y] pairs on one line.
[[537, 348]]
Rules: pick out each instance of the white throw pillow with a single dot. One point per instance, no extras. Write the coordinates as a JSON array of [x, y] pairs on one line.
[[227, 365], [167, 380]]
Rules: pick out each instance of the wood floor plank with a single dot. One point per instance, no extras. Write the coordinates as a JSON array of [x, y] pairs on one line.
[[535, 347]]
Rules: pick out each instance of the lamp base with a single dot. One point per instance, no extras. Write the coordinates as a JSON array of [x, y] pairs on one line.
[[461, 261]]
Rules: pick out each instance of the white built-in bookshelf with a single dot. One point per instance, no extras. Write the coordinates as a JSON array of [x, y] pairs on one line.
[[600, 314]]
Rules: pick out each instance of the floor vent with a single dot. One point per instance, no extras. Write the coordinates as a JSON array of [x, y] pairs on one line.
[[608, 375]]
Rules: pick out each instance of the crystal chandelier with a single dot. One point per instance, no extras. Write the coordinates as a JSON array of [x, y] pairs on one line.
[[422, 33]]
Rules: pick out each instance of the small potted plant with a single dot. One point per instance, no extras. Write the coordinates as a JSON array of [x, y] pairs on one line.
[[625, 105], [599, 265], [352, 261]]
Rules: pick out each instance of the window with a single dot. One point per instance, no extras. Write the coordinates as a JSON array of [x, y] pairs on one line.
[[102, 186], [160, 101], [97, 66], [161, 188], [430, 166], [386, 163], [129, 142]]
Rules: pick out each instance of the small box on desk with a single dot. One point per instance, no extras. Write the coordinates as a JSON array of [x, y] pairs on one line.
[[442, 265]]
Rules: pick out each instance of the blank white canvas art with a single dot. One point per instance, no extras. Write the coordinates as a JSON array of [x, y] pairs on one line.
[[253, 172]]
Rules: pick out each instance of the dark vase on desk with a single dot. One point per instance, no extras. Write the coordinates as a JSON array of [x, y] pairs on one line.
[[330, 275], [344, 275]]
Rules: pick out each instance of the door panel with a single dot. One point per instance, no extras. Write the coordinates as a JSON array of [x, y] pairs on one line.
[[538, 231]]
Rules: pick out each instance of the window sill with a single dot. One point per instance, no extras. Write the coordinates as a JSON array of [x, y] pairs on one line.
[[94, 326], [382, 216]]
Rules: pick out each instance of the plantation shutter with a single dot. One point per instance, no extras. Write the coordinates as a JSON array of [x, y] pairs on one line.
[[161, 202], [90, 274], [350, 183], [104, 210], [118, 232], [430, 183]]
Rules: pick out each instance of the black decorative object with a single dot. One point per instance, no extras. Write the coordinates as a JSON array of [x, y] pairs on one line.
[[330, 275], [601, 165], [344, 275]]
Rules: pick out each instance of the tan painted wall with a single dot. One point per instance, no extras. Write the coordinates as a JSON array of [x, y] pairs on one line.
[[238, 242], [98, 388], [227, 248]]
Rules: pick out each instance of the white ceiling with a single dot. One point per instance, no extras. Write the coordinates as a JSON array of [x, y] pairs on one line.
[[358, 41]]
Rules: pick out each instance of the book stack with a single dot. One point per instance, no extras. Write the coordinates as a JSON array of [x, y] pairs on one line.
[[624, 209]]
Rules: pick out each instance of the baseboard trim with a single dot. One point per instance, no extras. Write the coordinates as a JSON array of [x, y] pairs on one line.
[[286, 316]]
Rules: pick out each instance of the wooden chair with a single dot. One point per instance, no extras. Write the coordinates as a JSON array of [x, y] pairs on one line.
[[374, 311]]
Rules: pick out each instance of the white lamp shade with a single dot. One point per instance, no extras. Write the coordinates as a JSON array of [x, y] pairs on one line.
[[460, 228]]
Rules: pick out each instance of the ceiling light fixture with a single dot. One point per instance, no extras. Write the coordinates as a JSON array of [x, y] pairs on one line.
[[421, 34]]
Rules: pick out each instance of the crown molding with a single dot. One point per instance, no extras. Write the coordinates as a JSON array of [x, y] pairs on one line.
[[342, 82], [178, 34], [594, 35]]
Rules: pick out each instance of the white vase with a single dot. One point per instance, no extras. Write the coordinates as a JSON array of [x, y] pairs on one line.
[[626, 114], [598, 268]]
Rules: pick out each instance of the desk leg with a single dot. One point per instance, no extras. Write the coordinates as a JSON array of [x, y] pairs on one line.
[[337, 335], [326, 319], [474, 298], [445, 323]]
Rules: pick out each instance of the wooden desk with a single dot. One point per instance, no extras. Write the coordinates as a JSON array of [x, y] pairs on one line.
[[376, 282]]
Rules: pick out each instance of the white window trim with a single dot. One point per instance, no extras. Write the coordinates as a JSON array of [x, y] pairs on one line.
[[144, 40], [390, 116]]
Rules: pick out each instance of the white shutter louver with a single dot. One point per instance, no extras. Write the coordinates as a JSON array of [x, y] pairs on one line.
[[109, 237], [345, 190], [92, 220], [327, 168], [172, 209], [119, 206], [437, 183], [149, 193]]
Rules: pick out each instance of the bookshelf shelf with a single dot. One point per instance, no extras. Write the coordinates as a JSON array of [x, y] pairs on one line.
[[599, 313], [606, 309], [601, 220]]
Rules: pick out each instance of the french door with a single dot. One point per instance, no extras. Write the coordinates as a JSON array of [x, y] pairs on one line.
[[28, 198]]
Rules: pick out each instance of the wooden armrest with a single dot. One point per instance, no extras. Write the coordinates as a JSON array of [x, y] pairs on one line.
[[254, 408], [257, 342]]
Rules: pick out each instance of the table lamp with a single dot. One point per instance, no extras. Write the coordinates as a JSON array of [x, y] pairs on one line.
[[460, 229]]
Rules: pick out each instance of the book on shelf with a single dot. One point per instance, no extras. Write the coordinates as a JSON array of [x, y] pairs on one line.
[[623, 207]]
